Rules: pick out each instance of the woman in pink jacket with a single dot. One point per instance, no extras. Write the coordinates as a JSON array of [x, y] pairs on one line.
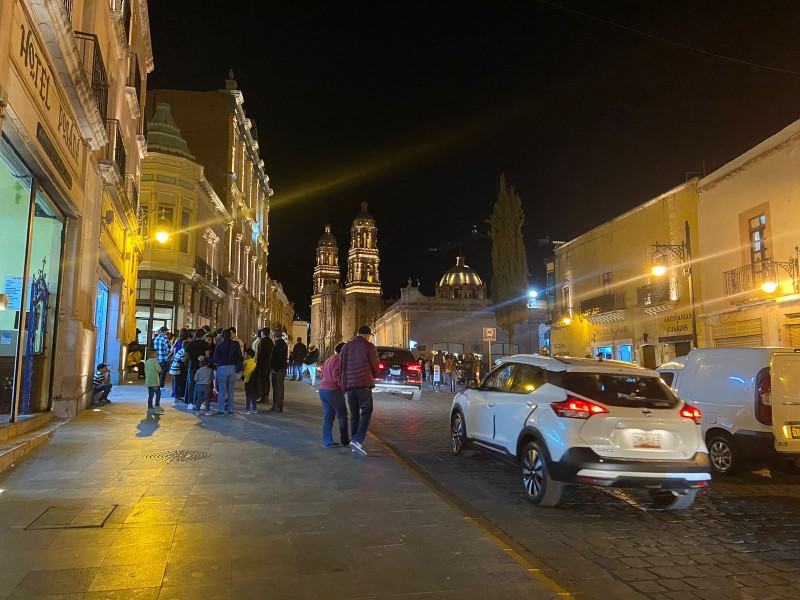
[[333, 402]]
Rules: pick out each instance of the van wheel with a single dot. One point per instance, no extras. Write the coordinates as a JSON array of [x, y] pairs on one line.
[[539, 487], [673, 500], [416, 395], [723, 454]]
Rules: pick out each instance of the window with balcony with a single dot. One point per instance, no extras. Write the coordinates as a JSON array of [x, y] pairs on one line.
[[186, 223], [607, 282], [757, 227]]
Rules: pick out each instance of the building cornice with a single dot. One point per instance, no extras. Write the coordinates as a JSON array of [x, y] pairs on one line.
[[144, 24]]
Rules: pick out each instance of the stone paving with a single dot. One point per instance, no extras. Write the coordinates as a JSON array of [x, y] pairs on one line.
[[268, 513], [740, 540]]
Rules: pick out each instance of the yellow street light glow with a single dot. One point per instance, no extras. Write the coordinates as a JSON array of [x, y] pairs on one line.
[[162, 237], [769, 286], [658, 270], [566, 320], [162, 230]]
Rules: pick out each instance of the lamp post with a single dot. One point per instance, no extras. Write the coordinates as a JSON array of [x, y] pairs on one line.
[[684, 253]]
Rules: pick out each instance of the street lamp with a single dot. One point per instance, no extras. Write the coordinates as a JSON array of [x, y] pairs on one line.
[[532, 293], [162, 229], [684, 253], [791, 267]]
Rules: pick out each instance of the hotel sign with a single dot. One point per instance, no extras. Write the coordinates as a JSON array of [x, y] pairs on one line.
[[56, 131]]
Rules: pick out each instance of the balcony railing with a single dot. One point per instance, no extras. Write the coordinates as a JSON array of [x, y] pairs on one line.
[[135, 77], [123, 9], [749, 277], [95, 69], [210, 275], [133, 194], [68, 6], [654, 294], [114, 152], [603, 304]]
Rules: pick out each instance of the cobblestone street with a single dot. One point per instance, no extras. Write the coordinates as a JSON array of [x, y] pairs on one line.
[[740, 540]]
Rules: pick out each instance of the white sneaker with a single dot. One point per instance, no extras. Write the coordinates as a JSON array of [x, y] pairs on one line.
[[160, 410], [356, 447]]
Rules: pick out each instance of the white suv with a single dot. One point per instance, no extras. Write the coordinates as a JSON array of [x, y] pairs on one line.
[[574, 420]]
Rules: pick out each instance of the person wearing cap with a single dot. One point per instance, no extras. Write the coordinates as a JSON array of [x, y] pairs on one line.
[[278, 359], [359, 367], [162, 348]]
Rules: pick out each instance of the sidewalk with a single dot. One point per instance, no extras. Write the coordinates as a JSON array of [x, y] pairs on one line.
[[266, 513]]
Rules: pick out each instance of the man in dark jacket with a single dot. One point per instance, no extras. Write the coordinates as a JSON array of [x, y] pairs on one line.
[[298, 356], [277, 362], [359, 367], [263, 370]]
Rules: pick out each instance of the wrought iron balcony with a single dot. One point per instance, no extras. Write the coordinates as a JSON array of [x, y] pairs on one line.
[[114, 152], [68, 6], [95, 69], [133, 193], [749, 278], [603, 304], [654, 294], [210, 275]]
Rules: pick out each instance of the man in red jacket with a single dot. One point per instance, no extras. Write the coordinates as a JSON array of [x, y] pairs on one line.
[[359, 367]]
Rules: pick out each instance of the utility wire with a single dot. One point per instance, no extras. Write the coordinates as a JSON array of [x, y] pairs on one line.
[[667, 41]]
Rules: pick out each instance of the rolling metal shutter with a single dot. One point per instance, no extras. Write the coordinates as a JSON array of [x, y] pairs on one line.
[[794, 336], [739, 334]]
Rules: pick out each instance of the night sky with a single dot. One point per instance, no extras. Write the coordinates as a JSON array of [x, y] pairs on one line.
[[417, 107]]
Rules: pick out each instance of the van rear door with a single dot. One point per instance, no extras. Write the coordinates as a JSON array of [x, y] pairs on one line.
[[785, 371]]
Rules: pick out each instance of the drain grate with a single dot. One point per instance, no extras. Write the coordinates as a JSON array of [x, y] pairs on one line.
[[71, 517], [169, 456]]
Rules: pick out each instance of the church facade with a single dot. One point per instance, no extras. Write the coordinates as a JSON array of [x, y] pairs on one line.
[[338, 310]]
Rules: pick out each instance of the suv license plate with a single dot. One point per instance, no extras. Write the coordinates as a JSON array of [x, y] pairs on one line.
[[647, 441], [394, 372], [795, 430]]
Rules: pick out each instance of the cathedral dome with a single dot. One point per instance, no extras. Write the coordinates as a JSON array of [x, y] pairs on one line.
[[327, 238], [460, 275]]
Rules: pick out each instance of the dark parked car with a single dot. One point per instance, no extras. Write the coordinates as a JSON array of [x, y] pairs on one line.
[[399, 372]]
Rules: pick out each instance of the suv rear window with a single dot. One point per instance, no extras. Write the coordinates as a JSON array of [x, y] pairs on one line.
[[614, 389], [400, 355]]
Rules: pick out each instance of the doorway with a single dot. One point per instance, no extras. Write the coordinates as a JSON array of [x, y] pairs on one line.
[[101, 322]]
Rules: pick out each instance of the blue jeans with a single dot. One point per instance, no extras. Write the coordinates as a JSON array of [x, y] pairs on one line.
[[226, 378], [360, 402], [201, 392], [189, 398], [334, 405]]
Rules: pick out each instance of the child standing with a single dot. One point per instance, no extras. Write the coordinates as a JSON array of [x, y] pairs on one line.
[[251, 389], [203, 380], [152, 372]]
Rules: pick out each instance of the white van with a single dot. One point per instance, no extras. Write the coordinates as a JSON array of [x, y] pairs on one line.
[[749, 397]]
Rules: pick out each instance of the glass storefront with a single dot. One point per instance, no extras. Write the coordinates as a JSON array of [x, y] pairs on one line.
[[26, 364]]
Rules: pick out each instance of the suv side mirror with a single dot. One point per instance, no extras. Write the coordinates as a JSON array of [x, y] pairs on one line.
[[471, 385]]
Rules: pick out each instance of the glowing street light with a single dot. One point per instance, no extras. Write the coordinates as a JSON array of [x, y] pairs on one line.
[[769, 287], [162, 230], [566, 320], [532, 293]]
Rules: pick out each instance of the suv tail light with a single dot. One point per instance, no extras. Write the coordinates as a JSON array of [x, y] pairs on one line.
[[381, 366], [693, 413], [414, 367], [577, 408], [764, 397]]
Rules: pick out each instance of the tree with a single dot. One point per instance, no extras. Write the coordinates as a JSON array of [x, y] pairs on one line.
[[509, 264]]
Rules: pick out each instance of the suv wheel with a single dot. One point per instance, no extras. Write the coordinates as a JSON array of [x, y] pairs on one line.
[[723, 453], [458, 436], [673, 500], [539, 487]]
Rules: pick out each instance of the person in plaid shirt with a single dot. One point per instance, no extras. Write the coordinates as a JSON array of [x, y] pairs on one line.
[[161, 346]]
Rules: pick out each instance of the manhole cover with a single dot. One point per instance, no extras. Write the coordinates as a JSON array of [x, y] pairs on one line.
[[177, 455], [71, 517]]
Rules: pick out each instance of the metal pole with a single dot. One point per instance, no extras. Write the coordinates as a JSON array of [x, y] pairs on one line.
[[23, 320], [688, 247], [490, 355]]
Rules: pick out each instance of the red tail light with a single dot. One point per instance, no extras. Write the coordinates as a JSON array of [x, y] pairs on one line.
[[576, 408], [692, 412], [414, 368], [764, 397], [381, 366]]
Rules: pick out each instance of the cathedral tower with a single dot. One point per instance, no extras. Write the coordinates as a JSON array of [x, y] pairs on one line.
[[326, 304], [363, 259], [327, 267]]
